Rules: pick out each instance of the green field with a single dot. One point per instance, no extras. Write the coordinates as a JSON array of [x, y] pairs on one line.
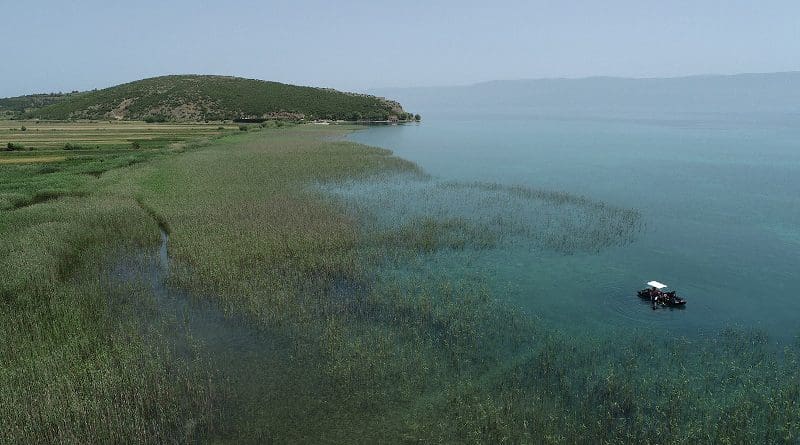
[[51, 159], [42, 136], [290, 313]]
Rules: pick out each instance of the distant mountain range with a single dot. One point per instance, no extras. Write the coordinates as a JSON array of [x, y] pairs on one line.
[[750, 92], [204, 98]]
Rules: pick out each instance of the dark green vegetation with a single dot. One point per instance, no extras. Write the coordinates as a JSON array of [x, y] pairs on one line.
[[14, 107], [207, 98], [323, 341]]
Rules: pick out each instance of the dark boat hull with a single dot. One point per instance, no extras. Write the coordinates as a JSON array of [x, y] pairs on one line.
[[676, 303], [666, 301]]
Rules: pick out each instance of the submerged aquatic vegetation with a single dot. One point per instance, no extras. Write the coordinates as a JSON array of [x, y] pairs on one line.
[[414, 210]]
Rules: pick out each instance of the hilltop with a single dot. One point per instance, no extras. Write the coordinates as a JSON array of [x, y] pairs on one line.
[[205, 98]]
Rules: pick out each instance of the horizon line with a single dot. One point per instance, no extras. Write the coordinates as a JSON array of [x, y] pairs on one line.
[[592, 77], [463, 85]]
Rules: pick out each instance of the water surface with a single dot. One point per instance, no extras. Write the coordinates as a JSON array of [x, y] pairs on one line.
[[719, 194]]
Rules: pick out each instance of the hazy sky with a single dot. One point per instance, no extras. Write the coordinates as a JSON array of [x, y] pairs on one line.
[[357, 45]]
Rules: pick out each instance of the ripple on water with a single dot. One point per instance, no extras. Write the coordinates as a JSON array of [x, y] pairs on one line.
[[697, 318]]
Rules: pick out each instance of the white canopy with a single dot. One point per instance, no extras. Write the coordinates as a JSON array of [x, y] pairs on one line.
[[656, 284]]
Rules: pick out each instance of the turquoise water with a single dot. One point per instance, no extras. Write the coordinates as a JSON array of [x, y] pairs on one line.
[[718, 194]]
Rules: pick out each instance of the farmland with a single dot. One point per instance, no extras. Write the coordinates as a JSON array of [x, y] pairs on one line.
[[50, 159], [101, 136]]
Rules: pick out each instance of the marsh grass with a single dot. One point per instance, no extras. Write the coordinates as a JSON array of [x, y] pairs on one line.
[[75, 369], [331, 346], [80, 363]]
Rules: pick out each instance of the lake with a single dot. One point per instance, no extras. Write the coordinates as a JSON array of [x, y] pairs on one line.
[[718, 193]]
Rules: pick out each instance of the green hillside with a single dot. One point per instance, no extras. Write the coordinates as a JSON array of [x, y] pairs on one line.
[[212, 98], [16, 106]]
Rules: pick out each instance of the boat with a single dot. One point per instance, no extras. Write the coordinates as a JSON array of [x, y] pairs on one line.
[[658, 296]]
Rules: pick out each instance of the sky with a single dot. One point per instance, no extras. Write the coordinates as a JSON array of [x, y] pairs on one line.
[[359, 45]]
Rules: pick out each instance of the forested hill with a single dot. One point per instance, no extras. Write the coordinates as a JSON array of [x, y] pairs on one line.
[[18, 106], [207, 98]]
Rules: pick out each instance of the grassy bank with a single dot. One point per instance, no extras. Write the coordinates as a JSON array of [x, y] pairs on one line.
[[76, 363], [321, 341]]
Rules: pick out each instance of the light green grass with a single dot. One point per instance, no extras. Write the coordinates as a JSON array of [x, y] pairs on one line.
[[53, 136]]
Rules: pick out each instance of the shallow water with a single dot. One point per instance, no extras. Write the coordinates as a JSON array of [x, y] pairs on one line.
[[247, 363], [719, 195], [203, 318]]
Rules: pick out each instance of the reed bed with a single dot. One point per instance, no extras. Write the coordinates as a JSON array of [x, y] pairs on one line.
[[329, 344], [78, 362], [76, 366]]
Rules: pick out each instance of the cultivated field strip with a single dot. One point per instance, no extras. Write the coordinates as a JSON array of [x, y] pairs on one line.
[[48, 136]]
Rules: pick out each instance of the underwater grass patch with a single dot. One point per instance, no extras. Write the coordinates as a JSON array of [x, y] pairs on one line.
[[419, 211]]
